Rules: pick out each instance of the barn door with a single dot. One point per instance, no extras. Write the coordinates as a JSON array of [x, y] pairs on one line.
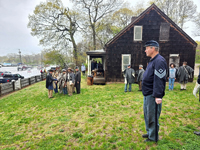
[[174, 58]]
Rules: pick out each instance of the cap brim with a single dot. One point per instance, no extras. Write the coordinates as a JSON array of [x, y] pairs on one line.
[[146, 45]]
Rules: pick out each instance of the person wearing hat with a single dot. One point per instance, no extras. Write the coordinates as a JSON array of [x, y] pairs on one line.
[[70, 82], [153, 89], [77, 80], [49, 83], [129, 74], [184, 73], [140, 76]]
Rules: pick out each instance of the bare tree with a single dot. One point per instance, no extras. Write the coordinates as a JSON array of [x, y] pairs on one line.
[[187, 9], [95, 10], [180, 11], [197, 25], [54, 25]]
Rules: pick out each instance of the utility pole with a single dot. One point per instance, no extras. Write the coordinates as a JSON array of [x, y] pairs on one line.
[[20, 56]]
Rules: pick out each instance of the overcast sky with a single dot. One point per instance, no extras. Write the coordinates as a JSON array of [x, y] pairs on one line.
[[15, 35]]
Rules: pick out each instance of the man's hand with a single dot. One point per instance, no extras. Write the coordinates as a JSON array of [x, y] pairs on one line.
[[158, 100], [77, 82]]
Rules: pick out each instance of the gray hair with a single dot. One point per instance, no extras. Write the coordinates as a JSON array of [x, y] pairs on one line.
[[141, 66], [156, 48]]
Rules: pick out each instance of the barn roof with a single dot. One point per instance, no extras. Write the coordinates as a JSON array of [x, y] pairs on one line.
[[163, 15]]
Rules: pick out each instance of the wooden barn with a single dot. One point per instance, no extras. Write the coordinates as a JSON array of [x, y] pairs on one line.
[[127, 47]]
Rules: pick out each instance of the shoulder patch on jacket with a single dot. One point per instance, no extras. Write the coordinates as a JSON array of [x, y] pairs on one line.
[[160, 73]]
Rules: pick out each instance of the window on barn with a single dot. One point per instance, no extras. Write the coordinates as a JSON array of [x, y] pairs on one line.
[[126, 60], [164, 31], [137, 33], [174, 58]]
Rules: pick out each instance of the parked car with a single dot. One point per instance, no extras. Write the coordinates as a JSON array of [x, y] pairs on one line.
[[6, 78], [40, 67], [1, 73], [2, 80], [22, 67], [4, 72], [7, 72], [9, 77], [29, 70], [17, 76]]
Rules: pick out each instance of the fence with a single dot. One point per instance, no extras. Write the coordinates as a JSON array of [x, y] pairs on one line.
[[20, 83]]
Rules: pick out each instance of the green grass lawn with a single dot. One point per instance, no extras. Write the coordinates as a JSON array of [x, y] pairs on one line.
[[101, 117]]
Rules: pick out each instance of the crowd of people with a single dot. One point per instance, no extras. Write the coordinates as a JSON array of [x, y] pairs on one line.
[[63, 81], [183, 73], [151, 81]]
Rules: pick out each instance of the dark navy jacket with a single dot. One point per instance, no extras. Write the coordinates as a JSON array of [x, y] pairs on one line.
[[154, 78]]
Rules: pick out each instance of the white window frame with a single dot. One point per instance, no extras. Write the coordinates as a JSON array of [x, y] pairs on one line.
[[129, 60], [141, 27], [176, 56]]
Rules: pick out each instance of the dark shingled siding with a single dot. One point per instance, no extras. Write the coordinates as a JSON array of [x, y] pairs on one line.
[[151, 22]]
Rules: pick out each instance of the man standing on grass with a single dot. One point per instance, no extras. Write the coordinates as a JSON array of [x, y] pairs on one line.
[[77, 80], [49, 83], [129, 77], [153, 89], [70, 82], [184, 72], [140, 76]]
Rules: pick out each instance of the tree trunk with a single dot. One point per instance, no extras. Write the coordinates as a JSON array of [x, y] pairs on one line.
[[94, 37], [74, 49]]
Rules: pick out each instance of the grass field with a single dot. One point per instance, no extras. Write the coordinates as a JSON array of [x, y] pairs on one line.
[[101, 117]]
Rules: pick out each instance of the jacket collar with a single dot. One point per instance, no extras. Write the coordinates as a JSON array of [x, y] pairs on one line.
[[154, 57]]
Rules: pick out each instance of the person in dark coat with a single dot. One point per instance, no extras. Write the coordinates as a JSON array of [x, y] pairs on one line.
[[74, 81], [49, 83], [70, 82], [140, 76], [77, 80], [153, 89], [184, 72], [129, 77]]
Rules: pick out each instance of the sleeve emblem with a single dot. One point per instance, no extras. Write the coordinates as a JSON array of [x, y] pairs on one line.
[[160, 73]]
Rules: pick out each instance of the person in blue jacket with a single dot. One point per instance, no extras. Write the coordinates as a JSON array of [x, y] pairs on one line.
[[49, 83], [153, 89]]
